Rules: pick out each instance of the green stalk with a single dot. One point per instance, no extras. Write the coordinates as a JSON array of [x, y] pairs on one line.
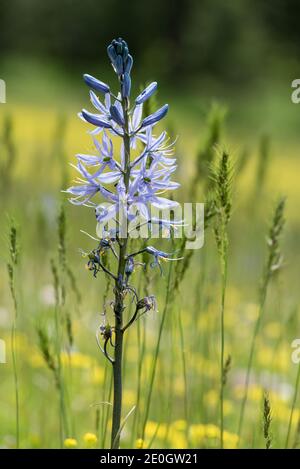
[[167, 404], [273, 265], [184, 369], [15, 373], [117, 375], [222, 178], [11, 265], [119, 306], [60, 385], [141, 343], [293, 407], [224, 283], [153, 372], [64, 430], [250, 360]]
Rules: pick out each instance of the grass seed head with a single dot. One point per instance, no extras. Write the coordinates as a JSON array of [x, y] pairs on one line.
[[267, 419]]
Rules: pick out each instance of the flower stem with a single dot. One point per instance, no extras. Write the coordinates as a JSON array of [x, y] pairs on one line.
[[119, 306], [117, 374]]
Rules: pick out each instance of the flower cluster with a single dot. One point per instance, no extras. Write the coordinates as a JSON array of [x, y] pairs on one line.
[[104, 172]]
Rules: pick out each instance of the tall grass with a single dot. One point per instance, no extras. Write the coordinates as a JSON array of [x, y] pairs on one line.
[[267, 419], [222, 179], [58, 341], [62, 325], [206, 152], [272, 266], [11, 268], [156, 352], [296, 390]]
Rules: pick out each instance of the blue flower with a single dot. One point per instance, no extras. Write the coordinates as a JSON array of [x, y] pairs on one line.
[[126, 85], [159, 255], [118, 53], [117, 115], [122, 63], [103, 119], [95, 119], [82, 192], [156, 116], [100, 184], [168, 226], [96, 84], [147, 93]]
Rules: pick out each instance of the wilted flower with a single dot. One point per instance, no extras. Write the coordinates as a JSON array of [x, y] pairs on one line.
[[129, 267], [105, 331], [148, 303]]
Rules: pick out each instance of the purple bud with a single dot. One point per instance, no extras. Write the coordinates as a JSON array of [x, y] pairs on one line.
[[125, 52], [156, 116], [116, 115], [96, 84], [95, 120], [147, 93], [119, 46], [111, 53], [126, 85], [119, 65], [118, 53], [129, 63]]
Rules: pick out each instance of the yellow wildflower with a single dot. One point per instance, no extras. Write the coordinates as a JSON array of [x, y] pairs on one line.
[[70, 443], [179, 425], [139, 444], [90, 440]]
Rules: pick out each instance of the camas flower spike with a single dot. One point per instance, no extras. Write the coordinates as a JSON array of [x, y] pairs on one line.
[[121, 189]]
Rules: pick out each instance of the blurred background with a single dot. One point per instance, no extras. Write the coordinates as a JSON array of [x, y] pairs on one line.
[[245, 52], [226, 69]]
